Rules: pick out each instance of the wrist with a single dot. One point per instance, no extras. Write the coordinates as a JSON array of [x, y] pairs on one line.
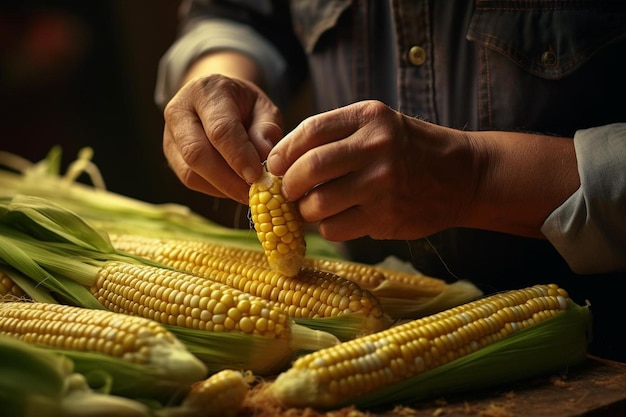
[[523, 178], [232, 64]]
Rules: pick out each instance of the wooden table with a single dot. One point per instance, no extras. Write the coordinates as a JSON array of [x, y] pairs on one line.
[[595, 388]]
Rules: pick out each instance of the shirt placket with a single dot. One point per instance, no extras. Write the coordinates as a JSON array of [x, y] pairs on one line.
[[415, 54]]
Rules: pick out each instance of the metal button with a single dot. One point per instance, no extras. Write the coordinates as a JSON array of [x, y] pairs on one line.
[[417, 55], [548, 58]]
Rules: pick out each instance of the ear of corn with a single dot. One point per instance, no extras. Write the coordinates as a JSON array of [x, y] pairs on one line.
[[320, 299], [399, 294], [494, 340], [135, 352], [278, 225]]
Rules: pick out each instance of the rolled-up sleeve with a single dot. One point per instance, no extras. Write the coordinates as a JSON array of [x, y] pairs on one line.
[[589, 228], [211, 35]]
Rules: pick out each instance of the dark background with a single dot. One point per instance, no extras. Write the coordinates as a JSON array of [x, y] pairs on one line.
[[82, 73]]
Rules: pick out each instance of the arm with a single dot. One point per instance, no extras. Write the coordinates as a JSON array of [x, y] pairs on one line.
[[415, 178]]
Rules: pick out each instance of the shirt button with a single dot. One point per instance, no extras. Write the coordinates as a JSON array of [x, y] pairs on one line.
[[417, 55], [549, 59]]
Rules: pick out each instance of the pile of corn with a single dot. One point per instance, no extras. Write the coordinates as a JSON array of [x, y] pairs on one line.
[[187, 318]]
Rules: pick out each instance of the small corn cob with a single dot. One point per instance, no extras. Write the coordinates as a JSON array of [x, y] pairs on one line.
[[222, 394], [310, 294], [363, 366], [278, 225], [9, 289], [135, 340]]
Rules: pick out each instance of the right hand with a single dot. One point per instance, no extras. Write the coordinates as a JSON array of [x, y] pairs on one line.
[[218, 131]]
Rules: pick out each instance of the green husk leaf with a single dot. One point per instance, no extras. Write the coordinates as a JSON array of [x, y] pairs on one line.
[[48, 221], [346, 326], [554, 345], [259, 354], [454, 294], [110, 375], [229, 350], [31, 381], [36, 261]]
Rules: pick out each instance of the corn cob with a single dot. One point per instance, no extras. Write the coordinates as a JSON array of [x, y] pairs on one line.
[[140, 356], [400, 294], [311, 294], [278, 225], [222, 394], [178, 299], [383, 361]]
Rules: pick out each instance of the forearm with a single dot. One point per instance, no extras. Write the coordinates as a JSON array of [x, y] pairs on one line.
[[524, 177]]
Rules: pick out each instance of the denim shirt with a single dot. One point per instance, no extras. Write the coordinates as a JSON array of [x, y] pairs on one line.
[[552, 67]]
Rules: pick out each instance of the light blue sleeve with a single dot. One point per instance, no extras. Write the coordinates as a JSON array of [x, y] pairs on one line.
[[211, 35], [589, 228]]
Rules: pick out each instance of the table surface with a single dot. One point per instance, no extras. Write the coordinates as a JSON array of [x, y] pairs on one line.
[[595, 388]]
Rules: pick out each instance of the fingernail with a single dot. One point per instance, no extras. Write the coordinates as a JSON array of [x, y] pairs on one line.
[[275, 164]]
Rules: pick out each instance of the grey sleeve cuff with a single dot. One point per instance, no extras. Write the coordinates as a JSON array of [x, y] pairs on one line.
[[589, 228], [212, 35]]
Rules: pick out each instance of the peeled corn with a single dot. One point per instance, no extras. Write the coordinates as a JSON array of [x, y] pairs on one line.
[[278, 225]]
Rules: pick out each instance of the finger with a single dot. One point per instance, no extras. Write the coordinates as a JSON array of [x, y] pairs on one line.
[[223, 126], [201, 168], [312, 132], [316, 167], [330, 198], [346, 225]]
